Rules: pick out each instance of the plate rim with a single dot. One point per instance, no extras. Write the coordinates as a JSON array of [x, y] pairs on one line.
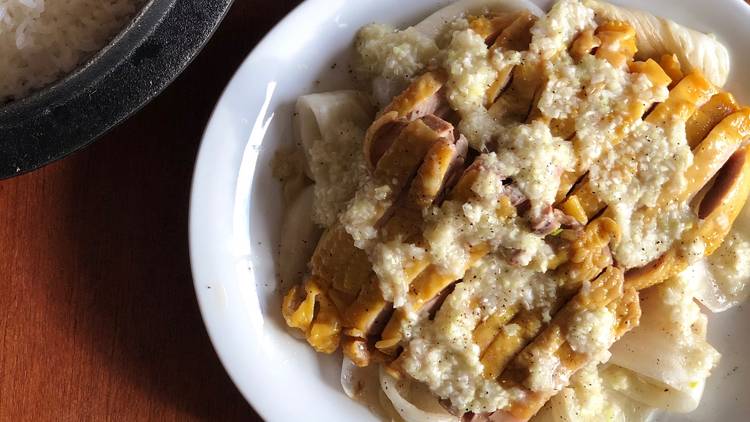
[[193, 223]]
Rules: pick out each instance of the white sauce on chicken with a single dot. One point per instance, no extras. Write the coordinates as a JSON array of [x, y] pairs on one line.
[[442, 353], [631, 177]]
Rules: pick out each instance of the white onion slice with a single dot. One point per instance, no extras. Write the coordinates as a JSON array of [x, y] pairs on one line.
[[434, 24], [430, 410], [589, 398], [319, 116], [650, 392], [361, 384], [708, 294], [723, 278], [299, 236], [668, 350], [632, 410], [385, 89]]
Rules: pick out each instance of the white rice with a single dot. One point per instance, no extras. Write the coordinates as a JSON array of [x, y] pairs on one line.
[[42, 40]]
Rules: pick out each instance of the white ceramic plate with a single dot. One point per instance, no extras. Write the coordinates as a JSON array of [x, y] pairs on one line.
[[236, 207]]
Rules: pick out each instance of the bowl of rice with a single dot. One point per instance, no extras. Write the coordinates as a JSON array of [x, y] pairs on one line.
[[72, 69]]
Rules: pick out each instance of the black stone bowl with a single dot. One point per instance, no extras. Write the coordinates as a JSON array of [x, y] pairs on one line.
[[131, 70]]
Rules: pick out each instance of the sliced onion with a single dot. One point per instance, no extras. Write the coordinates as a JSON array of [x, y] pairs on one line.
[[429, 409], [385, 89], [389, 411], [650, 392], [299, 236], [632, 410], [712, 289], [361, 384], [708, 293], [319, 116], [564, 407], [434, 24], [667, 355]]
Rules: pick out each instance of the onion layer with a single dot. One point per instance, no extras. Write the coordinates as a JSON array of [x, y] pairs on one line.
[[420, 405]]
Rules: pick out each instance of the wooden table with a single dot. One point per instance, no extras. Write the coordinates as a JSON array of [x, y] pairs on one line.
[[98, 318]]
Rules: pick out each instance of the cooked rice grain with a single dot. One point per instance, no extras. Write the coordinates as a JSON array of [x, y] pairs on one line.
[[42, 40]]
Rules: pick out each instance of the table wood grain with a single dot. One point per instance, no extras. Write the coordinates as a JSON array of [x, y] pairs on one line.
[[98, 318]]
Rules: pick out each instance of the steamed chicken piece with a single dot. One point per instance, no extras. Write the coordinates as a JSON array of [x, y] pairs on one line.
[[507, 32], [337, 264], [544, 367], [392, 175], [698, 127], [657, 36], [396, 275], [403, 230], [499, 321], [614, 42], [433, 279], [421, 98], [435, 24], [424, 155], [616, 45], [717, 212], [683, 99], [589, 255]]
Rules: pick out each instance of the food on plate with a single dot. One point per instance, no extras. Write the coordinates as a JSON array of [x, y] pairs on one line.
[[42, 40], [517, 215]]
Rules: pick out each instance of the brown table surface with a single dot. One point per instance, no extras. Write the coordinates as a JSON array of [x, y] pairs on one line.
[[98, 318]]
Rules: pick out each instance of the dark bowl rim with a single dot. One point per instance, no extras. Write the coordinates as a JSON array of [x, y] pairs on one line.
[[133, 68]]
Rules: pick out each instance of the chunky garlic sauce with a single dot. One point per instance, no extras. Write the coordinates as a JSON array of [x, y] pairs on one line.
[[731, 265], [338, 166], [441, 352]]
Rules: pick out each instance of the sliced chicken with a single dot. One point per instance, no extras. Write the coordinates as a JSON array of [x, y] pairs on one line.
[[434, 24], [424, 97], [551, 219], [606, 294], [587, 256], [368, 314], [657, 36], [692, 91], [616, 45], [709, 115], [717, 212], [516, 35], [341, 272], [490, 27]]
